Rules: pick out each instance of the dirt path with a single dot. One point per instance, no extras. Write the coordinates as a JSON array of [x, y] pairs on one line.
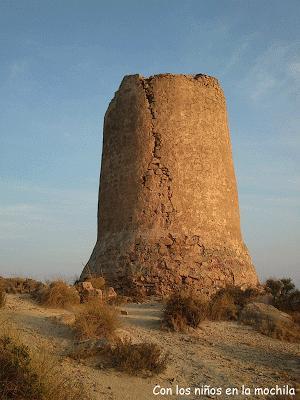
[[219, 354]]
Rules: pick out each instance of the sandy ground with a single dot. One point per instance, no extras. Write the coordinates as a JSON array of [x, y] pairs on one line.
[[219, 354]]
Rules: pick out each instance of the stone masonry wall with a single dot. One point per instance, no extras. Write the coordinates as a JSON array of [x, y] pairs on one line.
[[168, 206]]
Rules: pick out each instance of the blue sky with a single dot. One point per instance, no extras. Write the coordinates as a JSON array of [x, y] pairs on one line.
[[60, 64]]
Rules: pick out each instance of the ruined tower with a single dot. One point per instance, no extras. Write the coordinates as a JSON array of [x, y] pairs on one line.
[[168, 206]]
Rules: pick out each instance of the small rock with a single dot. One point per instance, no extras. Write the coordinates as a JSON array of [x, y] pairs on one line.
[[124, 312], [87, 286], [111, 293]]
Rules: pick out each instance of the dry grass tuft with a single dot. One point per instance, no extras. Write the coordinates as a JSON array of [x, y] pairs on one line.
[[137, 358], [184, 309], [296, 317], [58, 295], [2, 298], [26, 375], [17, 378], [19, 285], [95, 320], [222, 306]]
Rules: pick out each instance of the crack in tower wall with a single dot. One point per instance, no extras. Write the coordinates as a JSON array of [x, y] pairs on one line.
[[156, 166]]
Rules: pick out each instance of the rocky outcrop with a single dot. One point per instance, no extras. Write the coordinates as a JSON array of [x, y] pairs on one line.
[[168, 206]]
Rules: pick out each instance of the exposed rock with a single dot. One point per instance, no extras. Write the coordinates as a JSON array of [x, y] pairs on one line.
[[87, 292], [87, 286], [111, 293], [168, 206]]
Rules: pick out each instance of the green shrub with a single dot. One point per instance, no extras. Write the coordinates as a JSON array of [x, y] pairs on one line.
[[137, 358], [285, 295]]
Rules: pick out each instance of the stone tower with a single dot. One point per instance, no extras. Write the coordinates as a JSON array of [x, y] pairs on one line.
[[168, 206]]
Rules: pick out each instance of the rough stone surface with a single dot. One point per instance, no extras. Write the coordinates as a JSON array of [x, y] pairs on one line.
[[168, 206]]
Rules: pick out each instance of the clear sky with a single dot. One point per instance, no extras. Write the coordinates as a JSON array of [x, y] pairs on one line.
[[62, 61]]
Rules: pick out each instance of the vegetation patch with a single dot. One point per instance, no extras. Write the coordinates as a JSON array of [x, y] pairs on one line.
[[184, 309], [222, 306], [57, 295], [20, 285], [95, 320], [24, 377], [2, 298], [137, 358], [285, 295]]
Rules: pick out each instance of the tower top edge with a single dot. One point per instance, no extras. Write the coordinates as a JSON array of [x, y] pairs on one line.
[[203, 78]]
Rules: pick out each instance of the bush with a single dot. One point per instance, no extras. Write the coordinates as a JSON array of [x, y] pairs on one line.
[[2, 298], [184, 309], [229, 301], [17, 380], [137, 358], [285, 295], [222, 306], [22, 377], [58, 295], [96, 320], [19, 285]]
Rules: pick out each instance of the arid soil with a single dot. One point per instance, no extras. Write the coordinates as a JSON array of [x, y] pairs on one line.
[[219, 354]]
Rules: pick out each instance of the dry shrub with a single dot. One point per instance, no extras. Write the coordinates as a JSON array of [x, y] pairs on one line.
[[296, 317], [285, 295], [17, 379], [58, 295], [137, 358], [184, 309], [95, 320], [20, 285], [2, 298], [222, 306], [23, 376], [227, 302]]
